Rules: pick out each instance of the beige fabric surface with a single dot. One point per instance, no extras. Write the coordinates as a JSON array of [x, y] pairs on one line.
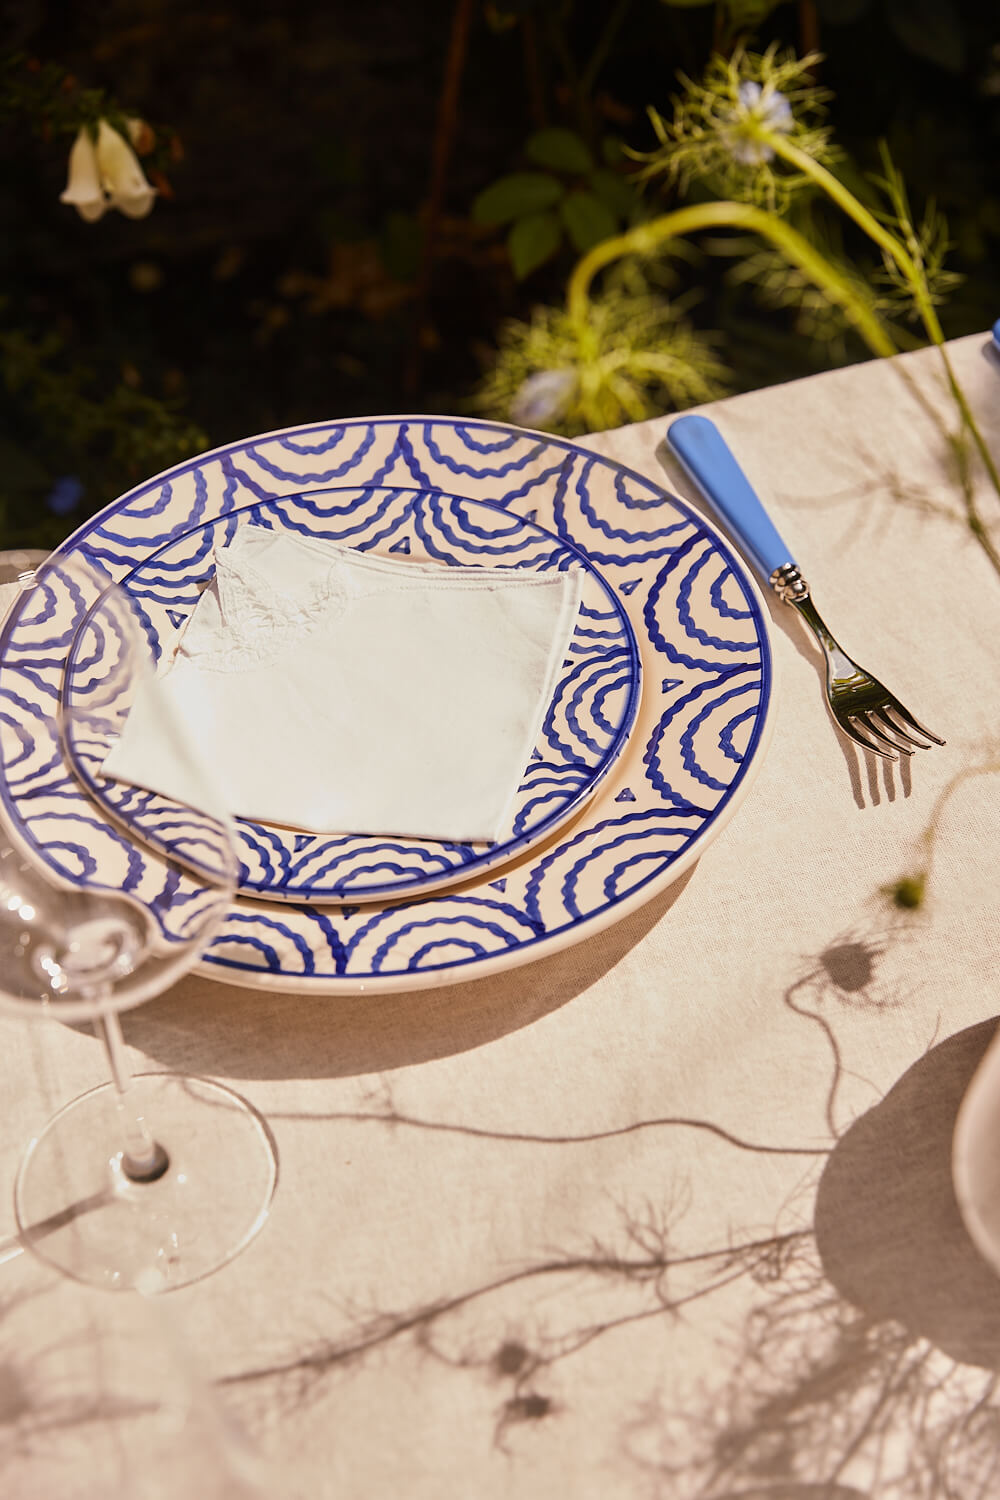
[[669, 1214]]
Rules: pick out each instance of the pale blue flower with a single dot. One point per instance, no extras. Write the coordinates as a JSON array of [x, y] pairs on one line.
[[65, 495], [768, 106], [543, 397]]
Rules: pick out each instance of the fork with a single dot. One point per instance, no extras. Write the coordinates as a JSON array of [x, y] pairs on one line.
[[861, 705]]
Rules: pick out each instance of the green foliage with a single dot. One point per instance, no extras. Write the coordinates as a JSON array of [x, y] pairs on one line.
[[47, 96], [591, 203], [532, 241], [560, 149], [62, 422], [304, 269], [635, 356], [73, 435], [517, 194], [882, 286], [53, 103], [721, 134], [615, 192], [927, 243], [587, 218]]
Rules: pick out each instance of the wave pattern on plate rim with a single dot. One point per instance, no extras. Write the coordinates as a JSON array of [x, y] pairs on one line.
[[706, 667]]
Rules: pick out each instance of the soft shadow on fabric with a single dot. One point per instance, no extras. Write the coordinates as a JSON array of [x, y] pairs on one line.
[[215, 1028], [888, 1226]]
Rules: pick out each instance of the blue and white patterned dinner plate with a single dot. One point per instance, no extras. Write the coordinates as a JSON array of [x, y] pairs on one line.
[[700, 731], [586, 726]]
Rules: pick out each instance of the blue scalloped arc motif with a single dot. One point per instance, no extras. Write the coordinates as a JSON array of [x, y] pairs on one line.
[[697, 617], [584, 731]]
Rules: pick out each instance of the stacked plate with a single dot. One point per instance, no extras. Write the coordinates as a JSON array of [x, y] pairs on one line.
[[658, 717]]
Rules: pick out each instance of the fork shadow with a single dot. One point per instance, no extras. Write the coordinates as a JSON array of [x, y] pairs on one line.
[[207, 1027], [871, 776]]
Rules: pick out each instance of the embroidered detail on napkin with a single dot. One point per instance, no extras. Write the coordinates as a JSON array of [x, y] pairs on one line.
[[341, 692], [259, 620]]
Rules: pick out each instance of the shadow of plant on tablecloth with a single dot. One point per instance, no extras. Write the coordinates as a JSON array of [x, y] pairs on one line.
[[864, 1361], [867, 1363], [871, 1358]]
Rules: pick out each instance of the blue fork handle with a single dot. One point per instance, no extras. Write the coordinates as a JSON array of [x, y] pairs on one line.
[[702, 450]]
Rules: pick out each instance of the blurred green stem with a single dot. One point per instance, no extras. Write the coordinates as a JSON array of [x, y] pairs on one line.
[[647, 238], [644, 239], [892, 247]]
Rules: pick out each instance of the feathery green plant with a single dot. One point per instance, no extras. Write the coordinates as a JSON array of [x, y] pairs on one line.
[[752, 129], [634, 352]]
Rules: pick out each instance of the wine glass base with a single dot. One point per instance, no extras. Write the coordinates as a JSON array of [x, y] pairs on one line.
[[79, 1211]]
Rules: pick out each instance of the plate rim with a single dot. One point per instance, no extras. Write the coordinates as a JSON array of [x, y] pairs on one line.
[[538, 947]]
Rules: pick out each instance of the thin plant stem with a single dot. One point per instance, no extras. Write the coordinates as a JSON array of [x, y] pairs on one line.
[[892, 247], [645, 238], [650, 236]]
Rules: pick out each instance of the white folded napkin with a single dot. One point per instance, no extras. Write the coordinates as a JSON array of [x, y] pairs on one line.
[[339, 692]]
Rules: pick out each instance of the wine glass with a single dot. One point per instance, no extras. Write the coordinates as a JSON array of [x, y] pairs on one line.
[[108, 894], [19, 565]]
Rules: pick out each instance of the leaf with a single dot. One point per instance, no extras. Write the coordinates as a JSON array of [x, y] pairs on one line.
[[614, 191], [587, 219], [532, 241], [559, 148], [511, 197], [929, 29], [686, 4]]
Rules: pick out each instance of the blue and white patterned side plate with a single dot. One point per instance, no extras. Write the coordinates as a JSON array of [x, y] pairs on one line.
[[590, 713], [700, 731]]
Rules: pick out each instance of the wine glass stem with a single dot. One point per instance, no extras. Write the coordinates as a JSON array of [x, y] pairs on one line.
[[142, 1160]]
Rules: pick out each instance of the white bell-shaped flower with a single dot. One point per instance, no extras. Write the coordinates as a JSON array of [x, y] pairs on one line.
[[122, 178], [106, 174], [83, 186]]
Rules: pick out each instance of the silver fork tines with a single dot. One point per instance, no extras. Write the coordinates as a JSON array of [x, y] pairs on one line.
[[863, 707]]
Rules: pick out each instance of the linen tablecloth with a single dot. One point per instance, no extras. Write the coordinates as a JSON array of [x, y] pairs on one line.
[[669, 1213]]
